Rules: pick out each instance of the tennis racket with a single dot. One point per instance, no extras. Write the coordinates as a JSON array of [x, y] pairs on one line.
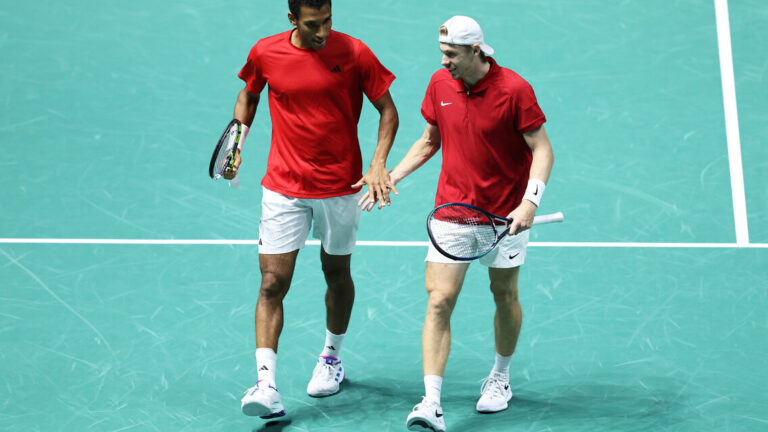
[[224, 154], [464, 232]]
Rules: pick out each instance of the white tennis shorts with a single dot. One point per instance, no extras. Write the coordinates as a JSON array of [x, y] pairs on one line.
[[285, 222], [510, 252]]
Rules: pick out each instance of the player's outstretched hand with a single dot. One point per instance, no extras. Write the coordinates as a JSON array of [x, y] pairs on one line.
[[231, 173], [379, 184], [522, 217]]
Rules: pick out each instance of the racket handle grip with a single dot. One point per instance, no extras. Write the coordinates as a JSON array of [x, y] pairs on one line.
[[234, 183], [548, 218]]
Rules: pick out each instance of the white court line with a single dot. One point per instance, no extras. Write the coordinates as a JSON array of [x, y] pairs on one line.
[[202, 242], [731, 122]]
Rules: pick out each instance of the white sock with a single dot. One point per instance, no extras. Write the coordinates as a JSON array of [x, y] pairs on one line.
[[501, 365], [266, 361], [433, 385], [332, 344]]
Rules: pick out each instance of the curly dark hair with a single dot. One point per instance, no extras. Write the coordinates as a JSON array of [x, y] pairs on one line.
[[295, 5]]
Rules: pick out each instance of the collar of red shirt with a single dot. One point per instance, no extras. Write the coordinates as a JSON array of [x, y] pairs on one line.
[[481, 85]]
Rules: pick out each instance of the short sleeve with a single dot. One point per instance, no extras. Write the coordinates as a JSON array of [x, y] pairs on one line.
[[374, 77], [527, 113], [252, 73], [428, 107]]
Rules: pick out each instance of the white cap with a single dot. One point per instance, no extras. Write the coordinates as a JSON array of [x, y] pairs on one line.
[[462, 30]]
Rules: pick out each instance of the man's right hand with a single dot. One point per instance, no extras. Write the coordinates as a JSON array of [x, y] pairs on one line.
[[367, 201], [231, 173]]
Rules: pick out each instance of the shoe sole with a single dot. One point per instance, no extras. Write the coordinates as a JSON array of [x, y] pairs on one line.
[[322, 395], [274, 415], [420, 425], [491, 411], [254, 409]]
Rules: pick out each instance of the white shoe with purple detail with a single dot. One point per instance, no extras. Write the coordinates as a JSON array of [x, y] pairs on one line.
[[262, 400], [326, 378]]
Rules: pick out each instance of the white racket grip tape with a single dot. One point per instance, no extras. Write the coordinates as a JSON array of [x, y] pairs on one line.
[[243, 134], [548, 218], [235, 183]]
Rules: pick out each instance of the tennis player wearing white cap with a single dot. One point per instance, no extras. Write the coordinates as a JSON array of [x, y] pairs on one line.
[[496, 155]]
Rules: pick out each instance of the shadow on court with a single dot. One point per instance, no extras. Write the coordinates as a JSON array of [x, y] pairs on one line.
[[582, 406], [366, 404], [273, 426], [599, 403]]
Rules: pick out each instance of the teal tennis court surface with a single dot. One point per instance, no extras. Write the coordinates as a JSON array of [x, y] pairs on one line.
[[128, 278]]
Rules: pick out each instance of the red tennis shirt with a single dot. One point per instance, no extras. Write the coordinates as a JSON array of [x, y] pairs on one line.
[[315, 98], [486, 161]]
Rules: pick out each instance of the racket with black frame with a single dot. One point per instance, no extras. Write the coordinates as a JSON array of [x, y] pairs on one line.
[[464, 232], [223, 158]]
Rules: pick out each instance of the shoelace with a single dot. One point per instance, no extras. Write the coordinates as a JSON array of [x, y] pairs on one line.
[[494, 384], [426, 403], [327, 371], [256, 387]]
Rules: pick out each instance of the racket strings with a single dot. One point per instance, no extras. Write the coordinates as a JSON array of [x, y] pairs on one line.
[[463, 232], [226, 151]]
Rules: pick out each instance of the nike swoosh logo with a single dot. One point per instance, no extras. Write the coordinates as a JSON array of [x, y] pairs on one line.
[[513, 256], [537, 191], [438, 414], [445, 104]]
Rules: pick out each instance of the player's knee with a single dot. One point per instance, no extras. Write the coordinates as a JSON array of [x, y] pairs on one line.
[[440, 305], [503, 293], [336, 275], [273, 285]]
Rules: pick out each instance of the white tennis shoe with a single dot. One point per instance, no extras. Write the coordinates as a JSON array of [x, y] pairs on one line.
[[326, 378], [426, 416], [495, 393], [262, 400]]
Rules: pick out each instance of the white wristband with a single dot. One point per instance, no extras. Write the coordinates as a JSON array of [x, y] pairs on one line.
[[243, 134], [534, 191]]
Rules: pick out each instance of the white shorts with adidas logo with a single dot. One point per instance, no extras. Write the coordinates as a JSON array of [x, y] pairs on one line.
[[285, 222]]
